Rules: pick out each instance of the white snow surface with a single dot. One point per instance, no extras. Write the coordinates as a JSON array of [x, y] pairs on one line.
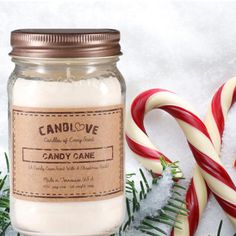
[[185, 46]]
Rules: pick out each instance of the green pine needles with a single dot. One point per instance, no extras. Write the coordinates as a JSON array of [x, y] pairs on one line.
[[4, 201], [143, 217], [148, 220]]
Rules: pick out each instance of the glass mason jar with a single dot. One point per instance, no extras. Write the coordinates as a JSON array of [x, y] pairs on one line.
[[66, 103]]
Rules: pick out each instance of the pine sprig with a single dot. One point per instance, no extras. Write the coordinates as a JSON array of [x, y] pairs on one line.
[[150, 224], [4, 201]]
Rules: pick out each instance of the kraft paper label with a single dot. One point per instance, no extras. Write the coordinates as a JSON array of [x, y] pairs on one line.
[[67, 154]]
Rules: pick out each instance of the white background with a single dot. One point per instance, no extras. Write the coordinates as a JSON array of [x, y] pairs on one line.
[[188, 47]]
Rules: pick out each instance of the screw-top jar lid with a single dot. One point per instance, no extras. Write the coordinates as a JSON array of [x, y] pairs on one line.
[[65, 43]]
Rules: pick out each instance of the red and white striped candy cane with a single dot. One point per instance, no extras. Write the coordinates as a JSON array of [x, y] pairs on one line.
[[216, 115], [215, 119], [200, 143]]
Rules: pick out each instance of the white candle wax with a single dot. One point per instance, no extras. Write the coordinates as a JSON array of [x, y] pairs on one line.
[[67, 218]]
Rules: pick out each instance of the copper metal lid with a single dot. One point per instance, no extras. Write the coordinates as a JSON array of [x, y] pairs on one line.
[[65, 43]]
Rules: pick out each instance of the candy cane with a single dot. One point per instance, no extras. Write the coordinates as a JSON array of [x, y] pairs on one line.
[[215, 119], [216, 115], [200, 143]]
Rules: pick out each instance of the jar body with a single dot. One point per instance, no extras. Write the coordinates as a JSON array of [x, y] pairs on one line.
[[58, 97]]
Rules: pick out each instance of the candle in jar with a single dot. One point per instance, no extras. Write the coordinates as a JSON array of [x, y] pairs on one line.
[[64, 110]]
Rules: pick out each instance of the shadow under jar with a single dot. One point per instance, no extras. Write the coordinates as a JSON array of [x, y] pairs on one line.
[[66, 103]]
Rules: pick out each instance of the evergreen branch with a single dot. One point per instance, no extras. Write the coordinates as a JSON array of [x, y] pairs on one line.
[[4, 201], [3, 232], [150, 223]]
